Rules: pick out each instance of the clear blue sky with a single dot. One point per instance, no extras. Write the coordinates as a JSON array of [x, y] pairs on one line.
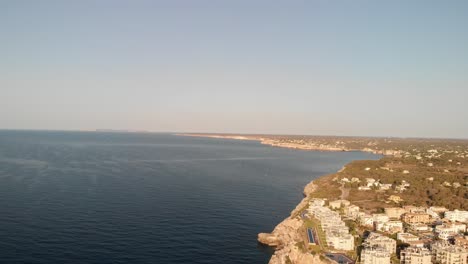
[[381, 68]]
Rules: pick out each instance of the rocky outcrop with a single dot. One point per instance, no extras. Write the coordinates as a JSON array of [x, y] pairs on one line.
[[269, 239], [288, 233]]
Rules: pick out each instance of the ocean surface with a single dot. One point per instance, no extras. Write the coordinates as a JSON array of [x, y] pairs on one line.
[[91, 197]]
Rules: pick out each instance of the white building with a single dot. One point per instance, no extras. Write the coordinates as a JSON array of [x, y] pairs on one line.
[[415, 255], [365, 219], [436, 211], [380, 218], [392, 226], [378, 240], [451, 255], [341, 241], [414, 209], [457, 216], [336, 231], [352, 211], [375, 255], [338, 204], [447, 231], [354, 179], [316, 202], [394, 212], [385, 186], [418, 227], [407, 237]]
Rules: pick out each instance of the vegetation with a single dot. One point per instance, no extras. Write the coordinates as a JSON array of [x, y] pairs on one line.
[[436, 169]]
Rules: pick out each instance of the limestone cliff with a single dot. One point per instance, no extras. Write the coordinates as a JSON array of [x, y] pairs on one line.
[[287, 234]]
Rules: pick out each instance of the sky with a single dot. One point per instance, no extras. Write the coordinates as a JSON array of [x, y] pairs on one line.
[[357, 68]]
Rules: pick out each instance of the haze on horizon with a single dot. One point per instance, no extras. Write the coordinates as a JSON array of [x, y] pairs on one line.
[[367, 68]]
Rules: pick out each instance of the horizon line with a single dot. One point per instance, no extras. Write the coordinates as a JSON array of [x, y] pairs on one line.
[[181, 133]]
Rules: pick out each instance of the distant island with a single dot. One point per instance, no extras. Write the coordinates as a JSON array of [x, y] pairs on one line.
[[408, 207]]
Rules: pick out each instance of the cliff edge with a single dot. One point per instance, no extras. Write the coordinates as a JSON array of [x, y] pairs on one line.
[[287, 234]]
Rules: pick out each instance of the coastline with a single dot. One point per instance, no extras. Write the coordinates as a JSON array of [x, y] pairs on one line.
[[285, 236], [266, 141], [410, 172]]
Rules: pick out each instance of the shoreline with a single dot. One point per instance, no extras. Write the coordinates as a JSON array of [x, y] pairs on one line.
[[269, 142], [409, 173], [284, 237]]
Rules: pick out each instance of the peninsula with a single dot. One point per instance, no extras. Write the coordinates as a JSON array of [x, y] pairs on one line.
[[408, 207]]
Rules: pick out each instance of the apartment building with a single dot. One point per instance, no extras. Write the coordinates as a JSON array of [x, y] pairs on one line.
[[375, 255], [415, 255], [413, 218]]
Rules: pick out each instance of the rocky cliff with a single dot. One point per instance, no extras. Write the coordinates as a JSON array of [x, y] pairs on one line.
[[287, 234]]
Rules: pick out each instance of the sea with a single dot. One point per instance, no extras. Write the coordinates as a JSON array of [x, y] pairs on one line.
[[104, 197]]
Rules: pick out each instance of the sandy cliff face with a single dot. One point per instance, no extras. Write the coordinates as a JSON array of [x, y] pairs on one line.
[[286, 235]]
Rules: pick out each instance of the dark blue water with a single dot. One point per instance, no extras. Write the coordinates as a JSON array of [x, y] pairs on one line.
[[76, 197]]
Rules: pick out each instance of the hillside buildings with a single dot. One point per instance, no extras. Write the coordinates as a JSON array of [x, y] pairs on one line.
[[443, 243]]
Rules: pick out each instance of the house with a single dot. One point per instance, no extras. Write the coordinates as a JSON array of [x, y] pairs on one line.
[[344, 180], [338, 204], [415, 255], [370, 182], [354, 179], [316, 202], [395, 199], [385, 186]]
